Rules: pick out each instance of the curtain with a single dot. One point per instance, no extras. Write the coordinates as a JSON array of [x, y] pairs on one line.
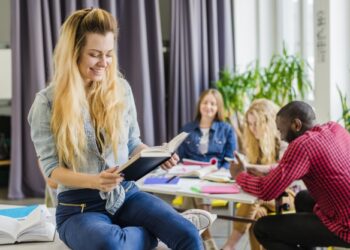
[[34, 32], [201, 44]]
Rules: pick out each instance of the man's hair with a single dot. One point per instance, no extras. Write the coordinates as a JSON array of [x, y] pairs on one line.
[[298, 109]]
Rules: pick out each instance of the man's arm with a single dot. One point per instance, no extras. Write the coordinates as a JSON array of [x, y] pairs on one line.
[[294, 165]]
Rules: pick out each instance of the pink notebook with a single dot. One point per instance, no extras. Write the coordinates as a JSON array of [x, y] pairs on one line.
[[227, 189]]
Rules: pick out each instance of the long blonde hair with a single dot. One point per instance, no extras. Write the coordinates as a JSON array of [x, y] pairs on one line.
[[266, 149], [104, 101], [220, 115]]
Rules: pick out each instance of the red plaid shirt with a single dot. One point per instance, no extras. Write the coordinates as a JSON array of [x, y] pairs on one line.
[[321, 158]]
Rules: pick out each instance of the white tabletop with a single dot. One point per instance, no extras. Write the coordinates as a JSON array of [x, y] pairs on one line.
[[183, 188]]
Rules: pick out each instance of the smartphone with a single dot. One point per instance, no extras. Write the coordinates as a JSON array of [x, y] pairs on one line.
[[229, 159]]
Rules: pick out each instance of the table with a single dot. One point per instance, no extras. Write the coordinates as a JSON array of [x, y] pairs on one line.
[[183, 188]]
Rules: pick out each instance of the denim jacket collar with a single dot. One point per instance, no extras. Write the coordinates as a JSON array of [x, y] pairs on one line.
[[214, 126]]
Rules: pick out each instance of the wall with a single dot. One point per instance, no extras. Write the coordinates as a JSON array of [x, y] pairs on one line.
[[261, 26], [5, 57], [246, 32], [5, 18], [332, 56]]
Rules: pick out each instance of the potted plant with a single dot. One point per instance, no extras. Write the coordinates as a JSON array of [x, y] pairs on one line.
[[346, 110], [284, 79]]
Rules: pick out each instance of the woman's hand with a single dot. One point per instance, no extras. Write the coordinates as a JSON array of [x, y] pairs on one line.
[[108, 179], [171, 162]]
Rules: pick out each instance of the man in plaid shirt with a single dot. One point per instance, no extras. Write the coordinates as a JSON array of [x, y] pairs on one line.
[[320, 156]]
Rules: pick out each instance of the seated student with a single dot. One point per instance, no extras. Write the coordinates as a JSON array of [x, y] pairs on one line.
[[83, 125], [318, 155], [263, 147], [209, 137]]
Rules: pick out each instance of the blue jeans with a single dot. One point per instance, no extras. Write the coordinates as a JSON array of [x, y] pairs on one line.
[[83, 223]]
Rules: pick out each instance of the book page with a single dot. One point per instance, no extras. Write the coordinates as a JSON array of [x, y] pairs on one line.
[[191, 170], [155, 149], [9, 228], [44, 231], [176, 141], [31, 221], [222, 175], [167, 147], [180, 170]]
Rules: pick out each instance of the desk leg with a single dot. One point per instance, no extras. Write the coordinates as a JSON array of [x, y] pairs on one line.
[[231, 207]]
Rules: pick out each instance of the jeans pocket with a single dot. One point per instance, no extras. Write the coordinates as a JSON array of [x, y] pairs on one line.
[[66, 210], [82, 206]]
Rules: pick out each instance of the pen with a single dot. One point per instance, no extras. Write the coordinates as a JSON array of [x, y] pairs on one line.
[[170, 179]]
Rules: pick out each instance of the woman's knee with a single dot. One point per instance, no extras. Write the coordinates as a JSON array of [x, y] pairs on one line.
[[190, 239]]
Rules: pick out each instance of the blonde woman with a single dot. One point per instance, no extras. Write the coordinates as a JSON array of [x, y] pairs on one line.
[[263, 148], [83, 125]]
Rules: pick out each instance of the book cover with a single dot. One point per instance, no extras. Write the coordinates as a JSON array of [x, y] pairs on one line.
[[212, 161], [18, 213], [161, 180], [150, 158]]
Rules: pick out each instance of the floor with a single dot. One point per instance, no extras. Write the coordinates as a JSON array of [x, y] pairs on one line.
[[220, 228]]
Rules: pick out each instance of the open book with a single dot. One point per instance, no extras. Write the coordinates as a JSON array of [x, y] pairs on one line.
[[150, 158], [32, 226], [210, 173]]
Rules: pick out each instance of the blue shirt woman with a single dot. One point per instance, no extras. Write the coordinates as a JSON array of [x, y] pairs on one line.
[[221, 143], [209, 137]]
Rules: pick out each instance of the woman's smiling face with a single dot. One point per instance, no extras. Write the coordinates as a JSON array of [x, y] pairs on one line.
[[96, 56]]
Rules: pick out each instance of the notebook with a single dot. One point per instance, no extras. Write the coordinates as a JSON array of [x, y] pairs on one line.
[[161, 180], [226, 189]]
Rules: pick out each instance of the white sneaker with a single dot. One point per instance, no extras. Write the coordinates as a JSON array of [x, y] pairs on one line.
[[200, 218]]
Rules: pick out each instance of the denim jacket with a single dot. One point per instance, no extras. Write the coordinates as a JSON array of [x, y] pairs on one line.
[[39, 119], [222, 143]]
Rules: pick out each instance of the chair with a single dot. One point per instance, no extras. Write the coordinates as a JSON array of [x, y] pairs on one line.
[[279, 205]]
